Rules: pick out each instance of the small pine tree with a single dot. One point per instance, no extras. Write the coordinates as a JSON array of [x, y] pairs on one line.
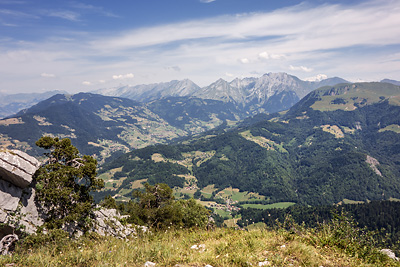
[[64, 183]]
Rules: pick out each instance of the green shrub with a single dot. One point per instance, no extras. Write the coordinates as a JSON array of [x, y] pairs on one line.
[[157, 208]]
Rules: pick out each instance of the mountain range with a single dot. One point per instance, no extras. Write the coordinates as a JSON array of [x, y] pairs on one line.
[[266, 93], [108, 125], [339, 142], [270, 93], [103, 126]]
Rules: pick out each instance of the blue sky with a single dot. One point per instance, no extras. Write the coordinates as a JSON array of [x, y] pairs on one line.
[[86, 45]]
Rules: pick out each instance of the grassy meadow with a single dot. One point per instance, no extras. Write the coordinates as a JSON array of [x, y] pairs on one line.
[[257, 246]]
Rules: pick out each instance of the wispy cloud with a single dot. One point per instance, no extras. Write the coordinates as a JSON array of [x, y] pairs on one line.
[[68, 15], [47, 75], [207, 1], [295, 29], [123, 76], [18, 14], [351, 41], [9, 25], [94, 9], [12, 2], [300, 68]]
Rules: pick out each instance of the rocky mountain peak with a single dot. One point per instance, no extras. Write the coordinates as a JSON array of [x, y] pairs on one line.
[[182, 88], [221, 90], [243, 83], [273, 83]]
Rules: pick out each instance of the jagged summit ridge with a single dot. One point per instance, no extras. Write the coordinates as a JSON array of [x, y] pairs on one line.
[[222, 90], [269, 93], [149, 92], [274, 83], [266, 85]]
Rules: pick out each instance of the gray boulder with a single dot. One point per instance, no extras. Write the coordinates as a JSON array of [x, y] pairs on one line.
[[17, 167]]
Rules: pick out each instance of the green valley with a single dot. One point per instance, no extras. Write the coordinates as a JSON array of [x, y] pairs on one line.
[[306, 156]]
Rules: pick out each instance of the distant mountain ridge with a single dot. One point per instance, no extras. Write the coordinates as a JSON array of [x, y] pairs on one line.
[[391, 81], [12, 103], [150, 92], [103, 126], [251, 94]]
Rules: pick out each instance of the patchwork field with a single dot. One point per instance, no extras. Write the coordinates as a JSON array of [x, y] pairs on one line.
[[393, 127]]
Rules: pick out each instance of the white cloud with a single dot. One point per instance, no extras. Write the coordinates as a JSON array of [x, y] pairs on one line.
[[207, 1], [86, 83], [102, 81], [229, 74], [265, 55], [47, 75], [300, 68], [123, 76], [318, 77], [244, 60]]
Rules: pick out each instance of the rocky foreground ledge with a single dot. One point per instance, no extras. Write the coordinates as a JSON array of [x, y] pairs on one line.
[[19, 212], [17, 205]]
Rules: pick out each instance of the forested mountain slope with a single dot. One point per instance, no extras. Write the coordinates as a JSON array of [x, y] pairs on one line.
[[96, 124], [103, 126], [338, 142]]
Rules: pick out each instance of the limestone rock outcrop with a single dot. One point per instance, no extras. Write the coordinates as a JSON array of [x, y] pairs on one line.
[[17, 167], [17, 207], [20, 213], [108, 222]]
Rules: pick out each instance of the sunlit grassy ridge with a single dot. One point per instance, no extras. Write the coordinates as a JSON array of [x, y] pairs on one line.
[[350, 96], [332, 245]]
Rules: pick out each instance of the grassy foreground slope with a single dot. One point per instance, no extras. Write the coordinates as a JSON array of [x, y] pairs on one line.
[[222, 247]]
